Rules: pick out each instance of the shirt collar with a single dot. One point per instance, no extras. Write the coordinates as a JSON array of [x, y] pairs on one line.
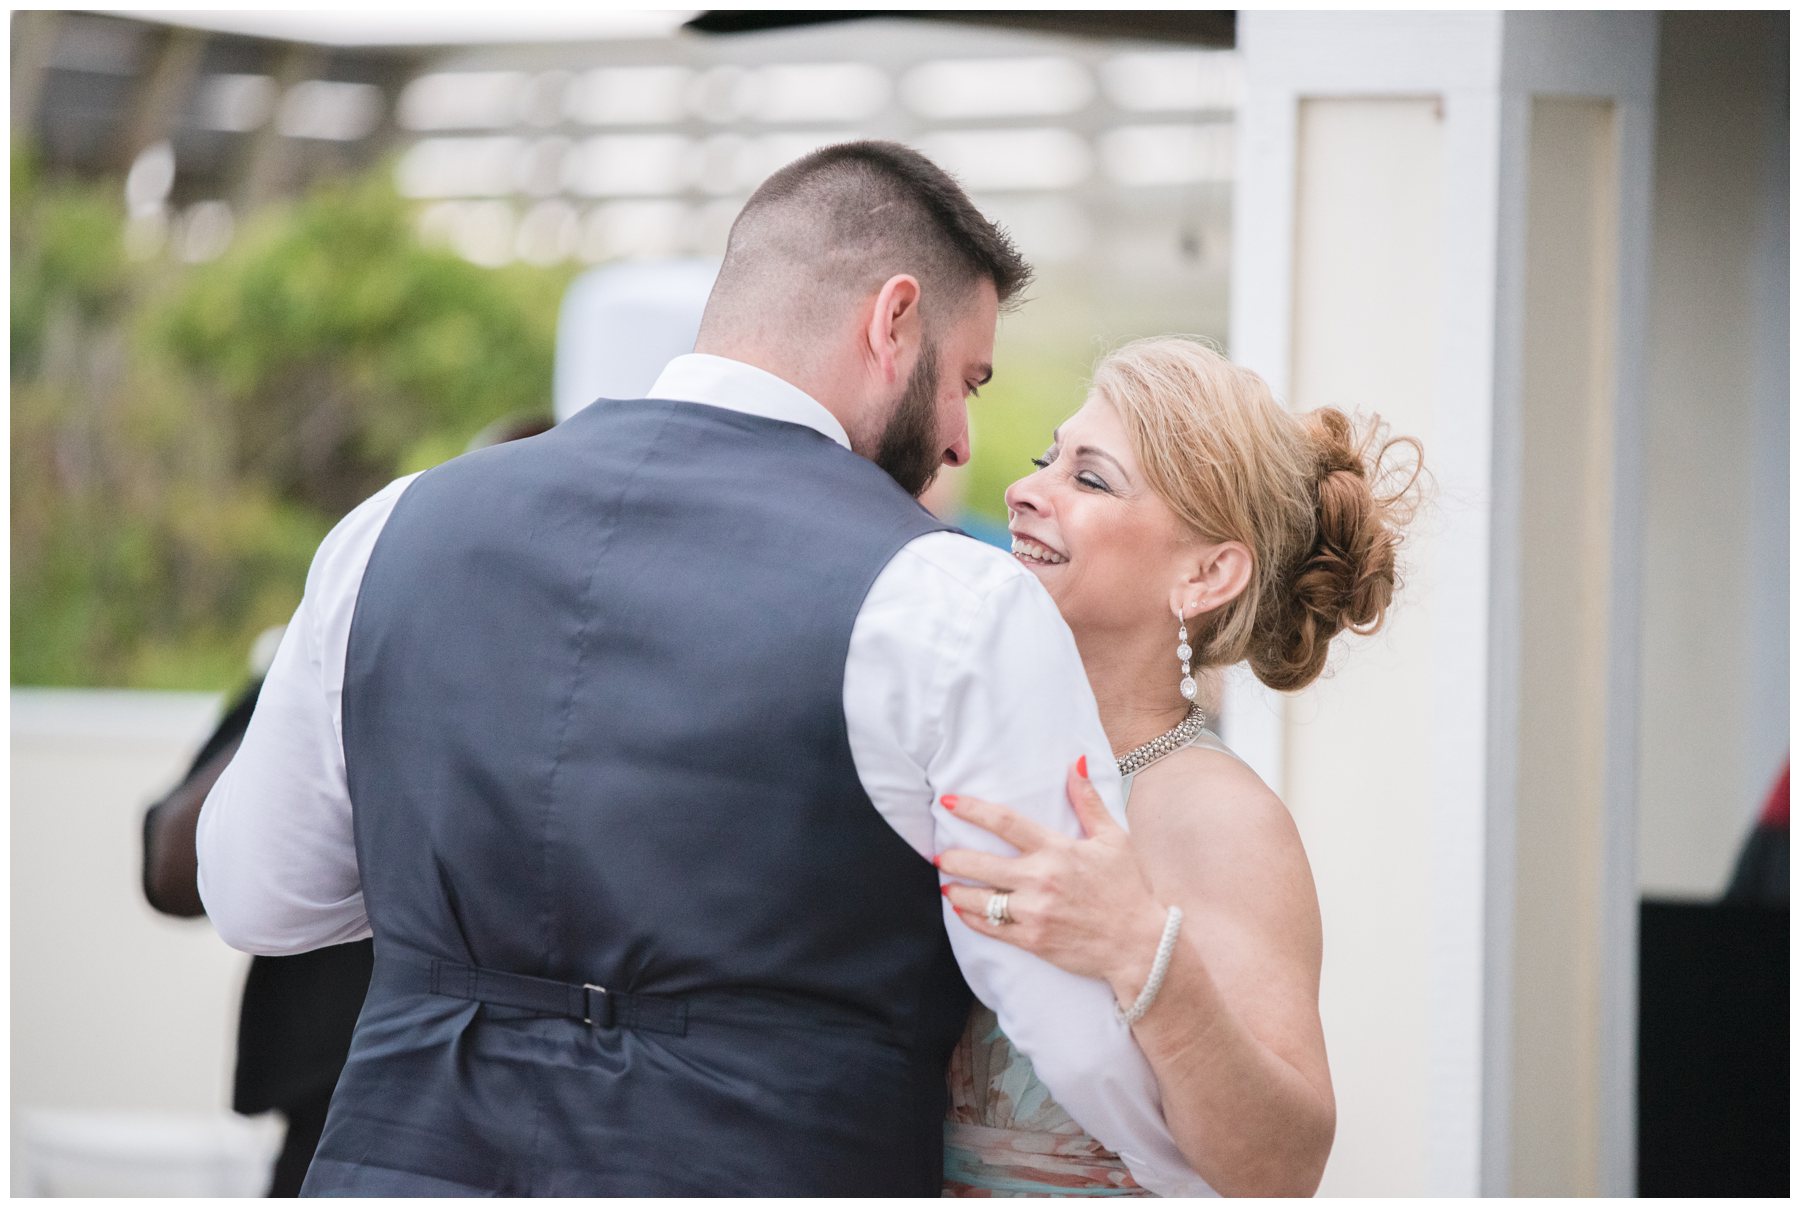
[[716, 381]]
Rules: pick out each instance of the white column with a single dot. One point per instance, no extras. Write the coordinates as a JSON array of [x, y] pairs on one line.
[[1380, 264]]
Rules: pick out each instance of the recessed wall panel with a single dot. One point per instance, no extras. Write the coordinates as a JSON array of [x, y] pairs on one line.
[[1570, 320]]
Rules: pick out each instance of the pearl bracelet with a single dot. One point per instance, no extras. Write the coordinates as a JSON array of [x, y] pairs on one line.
[[1159, 969]]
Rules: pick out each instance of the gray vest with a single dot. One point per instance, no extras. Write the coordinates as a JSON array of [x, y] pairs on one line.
[[638, 928]]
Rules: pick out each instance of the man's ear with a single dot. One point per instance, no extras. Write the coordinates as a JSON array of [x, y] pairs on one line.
[[893, 323]]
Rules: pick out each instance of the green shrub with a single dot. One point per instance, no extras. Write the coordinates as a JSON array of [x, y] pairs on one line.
[[183, 436]]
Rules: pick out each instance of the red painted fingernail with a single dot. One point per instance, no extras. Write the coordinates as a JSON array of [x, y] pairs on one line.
[[1081, 767], [949, 802], [944, 889], [934, 861]]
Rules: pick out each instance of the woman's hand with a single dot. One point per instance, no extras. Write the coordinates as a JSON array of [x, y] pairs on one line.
[[1084, 905]]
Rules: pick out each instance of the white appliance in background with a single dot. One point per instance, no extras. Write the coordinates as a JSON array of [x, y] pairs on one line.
[[621, 323]]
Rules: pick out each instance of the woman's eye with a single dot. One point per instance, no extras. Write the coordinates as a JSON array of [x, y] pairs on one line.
[[1088, 479], [1041, 463]]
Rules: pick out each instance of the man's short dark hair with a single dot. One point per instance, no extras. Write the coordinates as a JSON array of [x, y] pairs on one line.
[[847, 217]]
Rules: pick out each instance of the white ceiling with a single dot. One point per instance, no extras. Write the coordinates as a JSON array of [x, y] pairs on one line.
[[433, 27]]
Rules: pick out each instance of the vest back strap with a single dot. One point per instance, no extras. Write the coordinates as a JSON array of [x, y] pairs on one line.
[[589, 1003]]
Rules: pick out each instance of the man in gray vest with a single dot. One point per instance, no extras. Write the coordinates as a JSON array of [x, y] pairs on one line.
[[624, 742]]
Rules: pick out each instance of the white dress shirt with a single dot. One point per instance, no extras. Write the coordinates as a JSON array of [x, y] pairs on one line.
[[961, 678]]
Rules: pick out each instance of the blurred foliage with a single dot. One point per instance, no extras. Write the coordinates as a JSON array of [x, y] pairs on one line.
[[335, 345], [184, 435]]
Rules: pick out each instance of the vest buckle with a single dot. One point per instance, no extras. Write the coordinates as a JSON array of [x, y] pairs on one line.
[[588, 1011]]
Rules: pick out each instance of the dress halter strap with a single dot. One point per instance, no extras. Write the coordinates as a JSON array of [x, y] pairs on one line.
[[1205, 739]]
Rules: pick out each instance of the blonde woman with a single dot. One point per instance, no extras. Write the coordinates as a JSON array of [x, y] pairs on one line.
[[1182, 520]]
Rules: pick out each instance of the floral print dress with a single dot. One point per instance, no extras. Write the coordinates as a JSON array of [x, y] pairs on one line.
[[1005, 1135]]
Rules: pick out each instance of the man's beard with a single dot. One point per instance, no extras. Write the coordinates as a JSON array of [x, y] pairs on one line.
[[909, 450]]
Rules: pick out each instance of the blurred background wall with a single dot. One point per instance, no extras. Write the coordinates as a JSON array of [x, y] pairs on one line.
[[1715, 725], [262, 268]]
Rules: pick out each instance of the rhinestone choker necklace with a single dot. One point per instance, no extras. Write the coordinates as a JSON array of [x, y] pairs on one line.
[[1141, 757]]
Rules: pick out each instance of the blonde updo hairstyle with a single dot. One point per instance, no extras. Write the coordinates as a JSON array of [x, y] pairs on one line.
[[1313, 496]]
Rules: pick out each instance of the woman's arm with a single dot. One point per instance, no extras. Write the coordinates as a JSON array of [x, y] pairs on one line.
[[1233, 1036]]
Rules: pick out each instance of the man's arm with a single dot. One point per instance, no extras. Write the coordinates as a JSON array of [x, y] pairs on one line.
[[963, 679], [276, 853], [276, 848]]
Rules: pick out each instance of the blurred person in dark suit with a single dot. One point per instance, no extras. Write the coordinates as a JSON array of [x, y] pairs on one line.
[[298, 1012]]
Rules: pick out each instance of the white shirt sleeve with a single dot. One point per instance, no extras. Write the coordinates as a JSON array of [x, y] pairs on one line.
[[962, 678], [275, 847]]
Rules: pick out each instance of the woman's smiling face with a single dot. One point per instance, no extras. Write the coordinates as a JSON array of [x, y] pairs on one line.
[[1112, 554]]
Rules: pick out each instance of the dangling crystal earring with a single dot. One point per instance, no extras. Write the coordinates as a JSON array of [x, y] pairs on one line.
[[1184, 652]]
